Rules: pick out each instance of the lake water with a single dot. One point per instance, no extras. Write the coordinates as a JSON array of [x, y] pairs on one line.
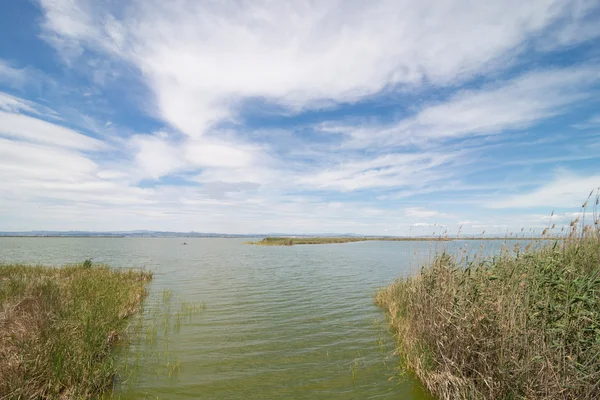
[[280, 322]]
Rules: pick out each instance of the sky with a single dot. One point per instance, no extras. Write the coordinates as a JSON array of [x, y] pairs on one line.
[[400, 117]]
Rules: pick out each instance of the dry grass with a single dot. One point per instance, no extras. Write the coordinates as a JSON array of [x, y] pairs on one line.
[[523, 325], [57, 327]]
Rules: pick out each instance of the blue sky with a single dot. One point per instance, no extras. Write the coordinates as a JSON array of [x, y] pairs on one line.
[[383, 117]]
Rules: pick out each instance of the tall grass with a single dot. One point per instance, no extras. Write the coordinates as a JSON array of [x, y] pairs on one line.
[[58, 325], [522, 325]]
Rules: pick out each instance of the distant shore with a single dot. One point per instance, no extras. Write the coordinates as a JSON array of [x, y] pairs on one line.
[[66, 236], [282, 240], [291, 241]]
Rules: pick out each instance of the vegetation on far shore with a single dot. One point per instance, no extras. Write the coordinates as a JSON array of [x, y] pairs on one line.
[[524, 324], [291, 241], [58, 326], [294, 240]]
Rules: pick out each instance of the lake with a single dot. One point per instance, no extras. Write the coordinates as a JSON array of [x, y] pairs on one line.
[[280, 322]]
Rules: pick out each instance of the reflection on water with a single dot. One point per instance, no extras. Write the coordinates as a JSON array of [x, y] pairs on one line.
[[279, 322]]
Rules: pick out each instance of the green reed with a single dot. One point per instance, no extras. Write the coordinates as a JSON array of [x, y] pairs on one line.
[[58, 327], [524, 324]]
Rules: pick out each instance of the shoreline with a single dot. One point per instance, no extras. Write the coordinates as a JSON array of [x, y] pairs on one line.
[[292, 241]]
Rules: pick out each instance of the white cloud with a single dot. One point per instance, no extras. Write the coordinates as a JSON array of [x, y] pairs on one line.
[[516, 104], [11, 75], [419, 212], [388, 170], [21, 161], [26, 77], [14, 104], [36, 130], [205, 153], [580, 26], [592, 122], [253, 174], [219, 189], [155, 156], [200, 58], [159, 155], [566, 190]]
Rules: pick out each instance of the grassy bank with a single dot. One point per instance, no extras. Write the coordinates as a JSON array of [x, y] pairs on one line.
[[57, 327], [525, 324]]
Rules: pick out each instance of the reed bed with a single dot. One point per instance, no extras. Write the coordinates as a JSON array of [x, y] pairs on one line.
[[58, 327], [524, 324]]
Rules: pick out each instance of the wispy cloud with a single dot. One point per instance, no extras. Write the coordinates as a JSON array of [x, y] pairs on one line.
[[14, 104], [591, 123], [10, 74], [565, 190], [493, 109], [420, 212], [37, 130], [387, 170]]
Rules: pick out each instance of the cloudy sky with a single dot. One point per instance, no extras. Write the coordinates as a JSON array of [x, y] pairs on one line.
[[382, 117]]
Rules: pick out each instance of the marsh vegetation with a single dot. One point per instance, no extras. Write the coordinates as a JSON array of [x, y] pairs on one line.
[[58, 327], [523, 324]]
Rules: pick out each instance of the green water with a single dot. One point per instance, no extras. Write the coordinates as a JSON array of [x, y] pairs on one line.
[[280, 322]]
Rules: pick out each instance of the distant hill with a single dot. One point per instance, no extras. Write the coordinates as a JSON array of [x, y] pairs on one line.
[[139, 233]]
